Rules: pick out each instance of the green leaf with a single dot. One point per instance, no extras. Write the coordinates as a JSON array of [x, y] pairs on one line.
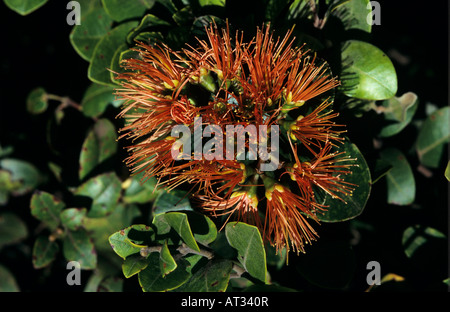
[[367, 73], [7, 281], [111, 284], [401, 186], [184, 17], [179, 222], [247, 240], [44, 252], [222, 248], [134, 264], [24, 7], [72, 218], [99, 145], [23, 172], [353, 204], [78, 246], [97, 98], [37, 101], [116, 61], [12, 229], [175, 200], [161, 225], [203, 228], [299, 9], [124, 245], [167, 264], [138, 191], [213, 277], [148, 21], [104, 52], [329, 265], [84, 37], [7, 185], [89, 5], [415, 237], [46, 208], [433, 135], [399, 112], [211, 2], [120, 10], [100, 229], [353, 14], [151, 279], [382, 167], [104, 190]]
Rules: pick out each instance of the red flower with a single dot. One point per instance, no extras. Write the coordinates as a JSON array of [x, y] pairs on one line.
[[265, 82]]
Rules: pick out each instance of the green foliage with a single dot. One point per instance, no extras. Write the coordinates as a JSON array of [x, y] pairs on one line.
[[367, 72], [122, 228], [433, 136], [24, 7]]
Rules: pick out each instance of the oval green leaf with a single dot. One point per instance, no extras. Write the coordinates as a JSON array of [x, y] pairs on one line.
[[134, 264], [99, 145], [203, 228], [37, 101], [44, 252], [399, 112], [104, 52], [433, 135], [104, 190], [401, 186], [124, 245], [73, 218], [78, 246], [140, 192], [46, 208], [22, 172], [175, 200], [247, 240], [84, 37], [367, 72], [8, 282], [352, 204], [179, 222], [151, 279], [213, 277], [148, 21], [353, 14], [120, 10], [12, 229], [24, 7], [167, 263], [97, 98]]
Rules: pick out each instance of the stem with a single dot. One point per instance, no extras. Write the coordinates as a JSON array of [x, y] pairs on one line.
[[184, 250], [238, 271], [145, 251]]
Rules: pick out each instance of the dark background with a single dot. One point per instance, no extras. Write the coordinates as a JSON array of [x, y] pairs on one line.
[[36, 52]]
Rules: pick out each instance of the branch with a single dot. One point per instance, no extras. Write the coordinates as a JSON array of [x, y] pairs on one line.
[[184, 250]]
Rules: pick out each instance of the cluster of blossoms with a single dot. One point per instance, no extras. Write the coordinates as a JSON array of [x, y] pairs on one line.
[[265, 82]]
